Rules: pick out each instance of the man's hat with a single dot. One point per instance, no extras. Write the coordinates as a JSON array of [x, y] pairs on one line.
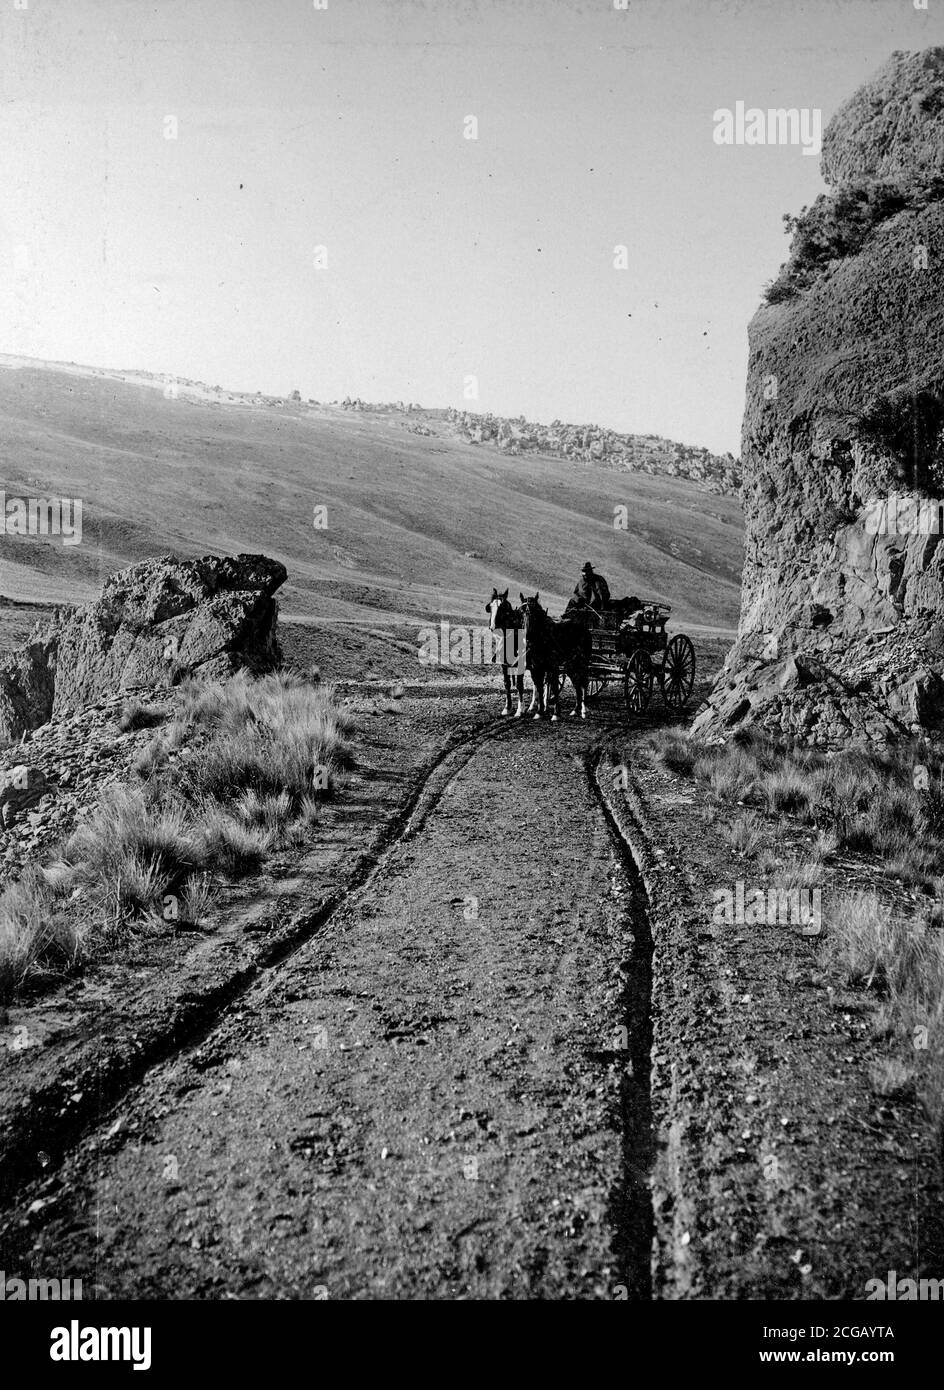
[[587, 569]]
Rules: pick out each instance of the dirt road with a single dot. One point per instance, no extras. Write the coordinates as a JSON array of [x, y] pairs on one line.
[[444, 1094]]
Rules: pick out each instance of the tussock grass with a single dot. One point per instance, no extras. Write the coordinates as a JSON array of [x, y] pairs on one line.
[[730, 780], [744, 833], [673, 750], [871, 804], [901, 961], [860, 803], [890, 1077], [871, 947], [134, 831], [151, 759], [275, 735], [231, 845], [257, 759], [136, 715], [800, 873], [825, 846], [785, 790], [196, 900]]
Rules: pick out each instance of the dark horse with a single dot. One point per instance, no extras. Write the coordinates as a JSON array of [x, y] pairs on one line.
[[550, 648]]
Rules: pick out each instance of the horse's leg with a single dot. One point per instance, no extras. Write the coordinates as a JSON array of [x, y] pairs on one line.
[[519, 690], [507, 679], [558, 682], [538, 678], [534, 692], [550, 692]]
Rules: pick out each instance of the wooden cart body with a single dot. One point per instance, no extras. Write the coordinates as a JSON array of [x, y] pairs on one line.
[[636, 652]]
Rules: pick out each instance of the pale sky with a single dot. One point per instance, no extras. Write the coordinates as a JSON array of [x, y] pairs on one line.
[[299, 127]]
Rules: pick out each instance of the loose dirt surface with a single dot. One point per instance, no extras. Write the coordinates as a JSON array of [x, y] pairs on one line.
[[466, 1046], [442, 1094], [781, 1171]]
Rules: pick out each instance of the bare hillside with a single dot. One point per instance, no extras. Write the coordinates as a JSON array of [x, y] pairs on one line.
[[418, 525]]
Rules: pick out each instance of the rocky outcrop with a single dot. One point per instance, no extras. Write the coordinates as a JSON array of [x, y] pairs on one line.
[[840, 637], [154, 623], [893, 125], [637, 453]]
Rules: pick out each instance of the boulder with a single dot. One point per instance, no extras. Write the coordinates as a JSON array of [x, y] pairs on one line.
[[20, 788], [844, 411], [155, 623]]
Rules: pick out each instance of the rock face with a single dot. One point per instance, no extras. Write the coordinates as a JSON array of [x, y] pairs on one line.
[[154, 623], [893, 125], [26, 689], [840, 637]]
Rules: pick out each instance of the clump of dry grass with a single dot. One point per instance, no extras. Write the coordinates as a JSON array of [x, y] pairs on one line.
[[861, 940], [825, 846], [785, 789], [902, 961], [744, 833], [231, 845], [133, 825], [275, 735], [860, 802], [890, 1077], [866, 803], [257, 758], [729, 779], [800, 873], [35, 931], [673, 751], [136, 715]]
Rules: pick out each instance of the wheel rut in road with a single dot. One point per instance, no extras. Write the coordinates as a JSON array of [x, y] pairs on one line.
[[443, 1094]]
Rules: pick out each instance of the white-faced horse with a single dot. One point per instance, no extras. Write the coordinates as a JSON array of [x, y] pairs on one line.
[[505, 619]]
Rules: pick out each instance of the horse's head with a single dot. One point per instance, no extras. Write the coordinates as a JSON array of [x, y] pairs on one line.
[[533, 618], [501, 614], [535, 627]]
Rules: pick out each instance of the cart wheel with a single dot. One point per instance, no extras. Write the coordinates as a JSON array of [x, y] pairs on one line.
[[637, 683], [678, 672]]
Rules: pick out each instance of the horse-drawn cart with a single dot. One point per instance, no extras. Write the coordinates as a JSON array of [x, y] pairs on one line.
[[636, 652]]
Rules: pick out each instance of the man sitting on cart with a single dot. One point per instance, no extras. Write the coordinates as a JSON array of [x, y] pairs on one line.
[[591, 588], [591, 599]]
